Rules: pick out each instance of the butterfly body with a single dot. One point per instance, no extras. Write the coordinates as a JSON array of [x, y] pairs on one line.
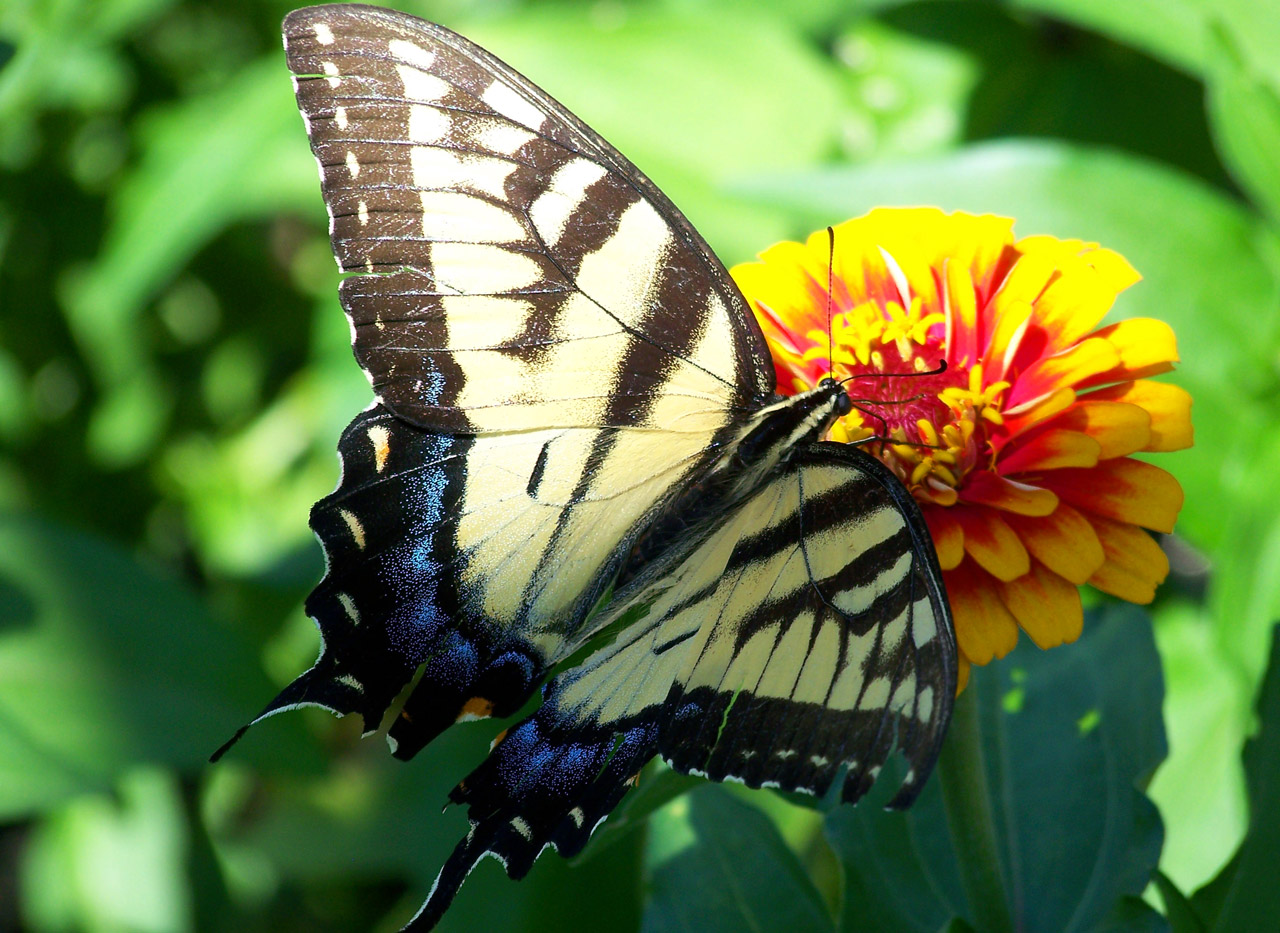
[[576, 444]]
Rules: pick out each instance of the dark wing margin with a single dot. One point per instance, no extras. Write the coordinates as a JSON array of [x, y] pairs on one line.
[[391, 601], [799, 646], [511, 268]]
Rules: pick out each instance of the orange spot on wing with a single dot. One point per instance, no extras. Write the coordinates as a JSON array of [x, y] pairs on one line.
[[475, 708]]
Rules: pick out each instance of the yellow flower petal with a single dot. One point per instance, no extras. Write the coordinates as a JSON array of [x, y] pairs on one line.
[[1168, 407], [1114, 268], [1071, 307], [1146, 347], [1135, 564], [1124, 489], [985, 629], [962, 673], [992, 543], [1064, 542], [1046, 606]]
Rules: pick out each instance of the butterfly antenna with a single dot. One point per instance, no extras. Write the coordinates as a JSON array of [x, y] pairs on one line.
[[831, 276]]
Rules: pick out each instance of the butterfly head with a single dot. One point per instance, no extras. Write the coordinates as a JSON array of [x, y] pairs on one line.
[[840, 401]]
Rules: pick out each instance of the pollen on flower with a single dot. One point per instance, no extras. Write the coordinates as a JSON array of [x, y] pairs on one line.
[[1019, 450]]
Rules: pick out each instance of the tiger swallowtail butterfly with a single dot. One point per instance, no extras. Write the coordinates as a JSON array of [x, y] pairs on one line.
[[576, 438]]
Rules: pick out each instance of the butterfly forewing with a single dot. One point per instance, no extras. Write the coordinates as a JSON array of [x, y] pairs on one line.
[[511, 269]]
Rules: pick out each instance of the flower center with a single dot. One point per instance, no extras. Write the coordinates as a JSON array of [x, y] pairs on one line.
[[937, 424]]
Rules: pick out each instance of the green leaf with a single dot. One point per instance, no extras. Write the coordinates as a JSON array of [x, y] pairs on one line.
[[737, 874], [691, 127], [1074, 836], [116, 862], [1207, 711], [659, 785], [1245, 110], [104, 664], [207, 162], [1252, 900], [374, 817], [1182, 915]]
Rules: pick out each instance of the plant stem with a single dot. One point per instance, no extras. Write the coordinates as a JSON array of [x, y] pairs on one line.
[[967, 799]]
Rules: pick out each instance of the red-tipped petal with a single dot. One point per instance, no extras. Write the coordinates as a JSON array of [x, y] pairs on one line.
[[1068, 368], [1146, 347], [1000, 492], [992, 543], [948, 536], [1118, 428], [1050, 449], [985, 629]]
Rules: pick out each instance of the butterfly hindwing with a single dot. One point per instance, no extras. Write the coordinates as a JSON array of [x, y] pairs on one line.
[[798, 645], [511, 269]]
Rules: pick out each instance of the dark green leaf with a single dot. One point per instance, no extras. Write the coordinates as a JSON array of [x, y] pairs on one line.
[[1252, 901], [737, 875], [1179, 911], [1074, 834]]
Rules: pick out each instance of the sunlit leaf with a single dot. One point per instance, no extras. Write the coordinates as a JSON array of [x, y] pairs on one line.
[[105, 664]]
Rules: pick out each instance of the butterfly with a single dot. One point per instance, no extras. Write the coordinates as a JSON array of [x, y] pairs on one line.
[[576, 446]]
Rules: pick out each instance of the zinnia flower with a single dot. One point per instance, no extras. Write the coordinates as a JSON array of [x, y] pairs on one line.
[[1019, 453]]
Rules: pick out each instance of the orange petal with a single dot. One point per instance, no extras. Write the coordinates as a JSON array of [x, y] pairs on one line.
[[948, 536], [1168, 406], [1119, 429], [985, 629], [1050, 449], [1064, 542], [1124, 489], [1135, 564], [1046, 606], [1146, 347], [1025, 416], [962, 673], [1000, 492], [1070, 367], [992, 543]]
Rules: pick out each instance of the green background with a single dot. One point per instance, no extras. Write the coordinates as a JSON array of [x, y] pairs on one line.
[[175, 371]]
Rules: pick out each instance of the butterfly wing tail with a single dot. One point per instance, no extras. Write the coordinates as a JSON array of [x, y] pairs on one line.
[[325, 685]]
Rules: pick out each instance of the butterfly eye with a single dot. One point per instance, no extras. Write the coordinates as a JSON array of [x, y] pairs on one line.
[[844, 404]]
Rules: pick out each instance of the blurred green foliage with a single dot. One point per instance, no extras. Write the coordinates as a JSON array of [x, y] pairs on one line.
[[175, 370]]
